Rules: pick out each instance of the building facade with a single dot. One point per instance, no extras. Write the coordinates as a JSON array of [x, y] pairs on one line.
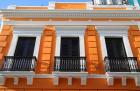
[[71, 46]]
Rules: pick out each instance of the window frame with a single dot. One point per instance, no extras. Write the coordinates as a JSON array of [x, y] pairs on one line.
[[114, 32], [70, 31], [25, 31]]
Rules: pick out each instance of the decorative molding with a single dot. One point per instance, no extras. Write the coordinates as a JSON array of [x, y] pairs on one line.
[[123, 75], [69, 76], [9, 13], [75, 23], [22, 31], [129, 7], [28, 30], [70, 31], [114, 31]]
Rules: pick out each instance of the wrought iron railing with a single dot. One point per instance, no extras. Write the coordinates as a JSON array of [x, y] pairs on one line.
[[121, 64], [13, 63], [70, 64]]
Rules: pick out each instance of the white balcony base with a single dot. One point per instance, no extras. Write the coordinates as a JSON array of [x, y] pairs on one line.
[[16, 75], [69, 76], [123, 75]]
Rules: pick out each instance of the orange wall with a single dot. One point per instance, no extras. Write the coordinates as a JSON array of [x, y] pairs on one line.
[[5, 40], [31, 8], [80, 6], [134, 38], [93, 52], [46, 52]]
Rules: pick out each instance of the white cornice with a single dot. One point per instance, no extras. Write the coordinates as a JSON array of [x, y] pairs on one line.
[[9, 13], [70, 30], [80, 23], [28, 30], [112, 30]]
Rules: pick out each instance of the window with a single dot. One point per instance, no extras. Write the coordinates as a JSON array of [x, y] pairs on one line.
[[70, 50], [27, 36], [115, 47], [73, 35], [25, 47], [117, 35], [69, 47]]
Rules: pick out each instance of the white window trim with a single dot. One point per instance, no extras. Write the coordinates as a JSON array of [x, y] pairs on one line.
[[70, 31], [25, 31], [114, 31]]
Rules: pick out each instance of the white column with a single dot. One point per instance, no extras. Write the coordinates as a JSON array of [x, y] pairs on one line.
[[56, 80], [69, 80], [110, 81], [83, 80], [58, 44], [57, 52], [127, 46], [37, 45], [2, 80], [136, 4], [82, 46], [137, 81], [82, 52], [13, 45], [29, 80], [104, 49], [109, 2]]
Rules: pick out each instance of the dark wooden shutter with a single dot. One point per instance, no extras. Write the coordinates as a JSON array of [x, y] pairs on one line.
[[115, 47], [69, 47], [70, 56], [25, 47]]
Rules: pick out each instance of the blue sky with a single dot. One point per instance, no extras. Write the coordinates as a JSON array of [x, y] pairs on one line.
[[5, 3]]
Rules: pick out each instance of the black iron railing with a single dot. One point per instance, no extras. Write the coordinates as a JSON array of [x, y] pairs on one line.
[[121, 64], [70, 64], [13, 63]]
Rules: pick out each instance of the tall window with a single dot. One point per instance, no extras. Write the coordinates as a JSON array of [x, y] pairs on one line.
[[70, 47], [115, 47], [25, 46]]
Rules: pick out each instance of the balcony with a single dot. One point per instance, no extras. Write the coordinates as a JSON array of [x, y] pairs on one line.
[[70, 64], [12, 63], [70, 67], [18, 67], [122, 67], [121, 64]]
